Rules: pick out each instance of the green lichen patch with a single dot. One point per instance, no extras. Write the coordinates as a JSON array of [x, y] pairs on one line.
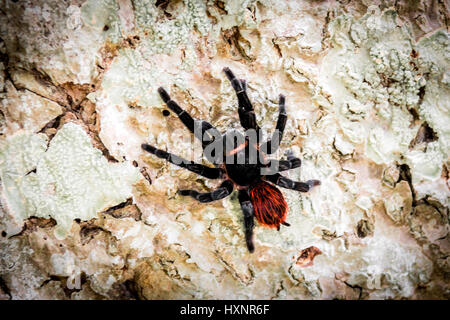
[[72, 179], [389, 85], [163, 35], [19, 155]]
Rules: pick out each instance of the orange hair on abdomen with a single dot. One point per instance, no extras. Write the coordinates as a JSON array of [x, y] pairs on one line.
[[269, 204]]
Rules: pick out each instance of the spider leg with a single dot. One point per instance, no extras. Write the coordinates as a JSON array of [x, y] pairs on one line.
[[292, 162], [284, 165], [248, 211], [272, 144], [223, 191], [245, 109], [207, 172], [197, 127], [244, 84], [287, 183]]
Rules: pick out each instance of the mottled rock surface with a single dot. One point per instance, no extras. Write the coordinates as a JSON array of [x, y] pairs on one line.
[[86, 214]]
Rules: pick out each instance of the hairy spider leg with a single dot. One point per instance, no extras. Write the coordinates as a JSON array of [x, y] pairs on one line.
[[292, 162], [284, 165], [244, 84], [247, 115], [248, 212], [269, 147], [188, 121], [207, 172], [223, 191], [287, 183]]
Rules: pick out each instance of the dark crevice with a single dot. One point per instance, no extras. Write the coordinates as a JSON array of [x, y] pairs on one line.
[[52, 124], [31, 171], [414, 114], [355, 287], [386, 81], [63, 280], [72, 106], [131, 42], [443, 210], [325, 32], [89, 230], [4, 287], [34, 223], [364, 228], [221, 7], [125, 209], [72, 97], [51, 278], [425, 134], [277, 47], [405, 174], [127, 290], [146, 175], [162, 4], [279, 289], [252, 12], [421, 94], [121, 205], [443, 238], [233, 38]]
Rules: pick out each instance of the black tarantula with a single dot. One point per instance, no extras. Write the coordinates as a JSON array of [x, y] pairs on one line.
[[257, 194]]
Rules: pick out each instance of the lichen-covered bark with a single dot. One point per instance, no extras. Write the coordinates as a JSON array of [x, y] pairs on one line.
[[86, 214]]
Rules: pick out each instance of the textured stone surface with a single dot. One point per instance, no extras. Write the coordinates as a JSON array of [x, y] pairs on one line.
[[86, 214]]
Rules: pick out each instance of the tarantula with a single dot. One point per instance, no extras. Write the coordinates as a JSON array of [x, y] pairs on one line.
[[257, 194]]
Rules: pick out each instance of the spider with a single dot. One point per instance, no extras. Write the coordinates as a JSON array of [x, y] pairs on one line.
[[258, 196]]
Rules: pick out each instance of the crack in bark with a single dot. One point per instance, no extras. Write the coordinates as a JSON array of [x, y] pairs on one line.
[[277, 47], [4, 287], [429, 249], [405, 174], [279, 289], [73, 97], [126, 209], [33, 223], [234, 272], [233, 38], [63, 282], [88, 230], [354, 287], [425, 134]]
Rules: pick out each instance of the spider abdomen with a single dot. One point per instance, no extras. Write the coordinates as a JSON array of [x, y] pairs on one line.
[[269, 204]]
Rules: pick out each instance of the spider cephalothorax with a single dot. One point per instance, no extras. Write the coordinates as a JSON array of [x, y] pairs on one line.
[[241, 161]]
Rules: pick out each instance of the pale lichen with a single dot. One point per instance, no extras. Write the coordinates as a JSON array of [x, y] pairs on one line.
[[391, 80], [71, 179]]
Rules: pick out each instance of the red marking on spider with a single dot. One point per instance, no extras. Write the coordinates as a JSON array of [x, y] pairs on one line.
[[239, 148], [269, 205]]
